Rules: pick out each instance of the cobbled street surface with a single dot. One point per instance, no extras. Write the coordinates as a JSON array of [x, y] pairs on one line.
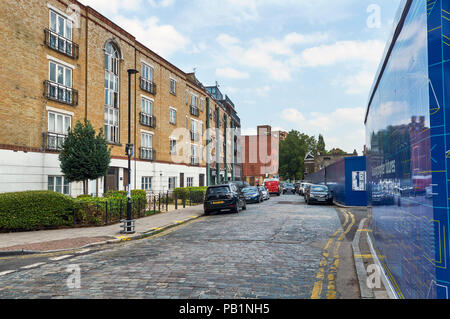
[[271, 250]]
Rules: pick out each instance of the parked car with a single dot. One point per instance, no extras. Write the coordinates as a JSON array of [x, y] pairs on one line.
[[288, 188], [273, 186], [241, 184], [265, 192], [252, 194], [318, 194], [227, 197]]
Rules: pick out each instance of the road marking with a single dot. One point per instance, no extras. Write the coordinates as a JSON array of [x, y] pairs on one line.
[[6, 272], [60, 257], [364, 256], [32, 265], [318, 285]]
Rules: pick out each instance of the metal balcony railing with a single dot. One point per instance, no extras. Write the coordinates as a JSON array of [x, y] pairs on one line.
[[148, 154], [61, 44], [195, 111], [147, 120], [148, 86], [60, 93], [54, 141]]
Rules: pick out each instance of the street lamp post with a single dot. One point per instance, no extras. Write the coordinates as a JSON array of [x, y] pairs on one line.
[[129, 153]]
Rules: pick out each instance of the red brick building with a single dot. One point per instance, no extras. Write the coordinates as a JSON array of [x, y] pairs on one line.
[[260, 155]]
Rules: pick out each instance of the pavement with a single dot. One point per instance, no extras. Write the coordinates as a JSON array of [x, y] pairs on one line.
[[45, 241]]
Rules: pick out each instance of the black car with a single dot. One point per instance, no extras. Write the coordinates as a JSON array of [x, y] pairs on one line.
[[318, 194], [252, 194], [288, 188], [227, 197]]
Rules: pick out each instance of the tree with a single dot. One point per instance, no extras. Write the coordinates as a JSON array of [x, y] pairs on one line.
[[321, 145], [84, 155]]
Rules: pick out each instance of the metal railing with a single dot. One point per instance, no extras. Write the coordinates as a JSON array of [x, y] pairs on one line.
[[148, 154], [61, 44], [195, 111], [54, 141], [147, 120], [60, 93], [148, 86]]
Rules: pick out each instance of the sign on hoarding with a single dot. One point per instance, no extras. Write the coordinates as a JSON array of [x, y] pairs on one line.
[[359, 181]]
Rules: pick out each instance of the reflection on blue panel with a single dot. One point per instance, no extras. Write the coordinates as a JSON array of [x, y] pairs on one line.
[[407, 159]]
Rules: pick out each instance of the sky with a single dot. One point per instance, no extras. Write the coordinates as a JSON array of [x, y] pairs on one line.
[[294, 64]]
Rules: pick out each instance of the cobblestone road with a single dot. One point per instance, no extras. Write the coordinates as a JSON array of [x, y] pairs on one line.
[[272, 250]]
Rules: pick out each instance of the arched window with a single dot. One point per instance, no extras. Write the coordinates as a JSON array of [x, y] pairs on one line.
[[112, 62]]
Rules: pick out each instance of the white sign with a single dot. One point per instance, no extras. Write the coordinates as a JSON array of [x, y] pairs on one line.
[[359, 181]]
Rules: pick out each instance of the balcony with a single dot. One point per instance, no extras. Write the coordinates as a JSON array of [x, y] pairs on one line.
[[60, 93], [148, 154], [195, 161], [195, 110], [147, 120], [148, 86], [54, 141], [61, 44], [195, 137]]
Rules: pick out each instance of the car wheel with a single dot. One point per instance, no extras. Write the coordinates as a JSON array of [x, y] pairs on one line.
[[245, 206]]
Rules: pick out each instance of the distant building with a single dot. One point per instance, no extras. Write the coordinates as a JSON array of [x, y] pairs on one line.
[[260, 155], [316, 163]]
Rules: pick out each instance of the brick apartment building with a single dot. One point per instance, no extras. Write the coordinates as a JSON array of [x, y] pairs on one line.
[[74, 67], [260, 154]]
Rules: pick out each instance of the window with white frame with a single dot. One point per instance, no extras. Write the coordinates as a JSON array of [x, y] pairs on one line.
[[172, 182], [60, 35], [147, 72], [189, 181], [194, 130], [173, 116], [173, 86], [147, 106], [146, 183], [58, 184], [173, 146], [60, 74], [58, 128], [111, 93], [146, 146]]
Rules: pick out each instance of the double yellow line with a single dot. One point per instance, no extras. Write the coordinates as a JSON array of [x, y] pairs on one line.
[[330, 272]]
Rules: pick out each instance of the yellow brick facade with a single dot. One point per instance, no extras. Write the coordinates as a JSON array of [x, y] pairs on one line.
[[25, 62]]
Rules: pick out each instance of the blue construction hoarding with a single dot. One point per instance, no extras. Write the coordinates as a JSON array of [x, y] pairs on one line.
[[346, 179], [407, 152]]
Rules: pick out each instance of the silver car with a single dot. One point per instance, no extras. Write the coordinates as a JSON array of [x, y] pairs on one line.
[[265, 192]]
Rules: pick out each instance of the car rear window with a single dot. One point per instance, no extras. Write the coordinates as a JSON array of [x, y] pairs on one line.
[[218, 190]]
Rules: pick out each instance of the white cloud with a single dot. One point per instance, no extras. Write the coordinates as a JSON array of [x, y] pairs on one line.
[[163, 39], [292, 116], [343, 51], [359, 83], [231, 73], [161, 3]]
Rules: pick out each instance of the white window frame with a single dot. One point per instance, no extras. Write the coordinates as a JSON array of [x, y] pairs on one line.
[[189, 181], [64, 117], [149, 105], [64, 184], [173, 146], [172, 110], [146, 183], [66, 21], [150, 68], [65, 69], [173, 90], [172, 182]]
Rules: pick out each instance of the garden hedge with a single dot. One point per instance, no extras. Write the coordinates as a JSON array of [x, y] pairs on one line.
[[33, 210]]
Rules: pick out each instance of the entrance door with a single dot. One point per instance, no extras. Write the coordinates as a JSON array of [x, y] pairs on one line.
[[112, 179], [181, 179]]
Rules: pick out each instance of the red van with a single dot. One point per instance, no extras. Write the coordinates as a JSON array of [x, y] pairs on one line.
[[273, 186]]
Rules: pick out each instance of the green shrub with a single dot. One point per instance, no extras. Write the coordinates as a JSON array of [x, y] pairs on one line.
[[34, 210], [193, 194]]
